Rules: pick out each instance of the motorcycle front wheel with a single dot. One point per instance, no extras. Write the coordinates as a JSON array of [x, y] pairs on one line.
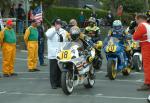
[[67, 82], [112, 73]]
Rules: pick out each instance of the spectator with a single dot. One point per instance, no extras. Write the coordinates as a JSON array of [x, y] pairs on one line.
[[31, 40], [81, 19], [30, 16], [41, 43], [20, 19], [110, 18], [8, 41], [55, 35], [142, 33], [12, 12]]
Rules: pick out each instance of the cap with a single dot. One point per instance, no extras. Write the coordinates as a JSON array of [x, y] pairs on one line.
[[9, 22]]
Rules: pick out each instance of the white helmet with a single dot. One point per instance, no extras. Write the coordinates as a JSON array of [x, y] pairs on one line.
[[92, 19], [117, 24]]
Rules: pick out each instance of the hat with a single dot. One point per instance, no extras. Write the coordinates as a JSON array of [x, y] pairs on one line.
[[9, 22]]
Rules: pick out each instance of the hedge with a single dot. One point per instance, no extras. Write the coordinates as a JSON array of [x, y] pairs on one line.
[[67, 13]]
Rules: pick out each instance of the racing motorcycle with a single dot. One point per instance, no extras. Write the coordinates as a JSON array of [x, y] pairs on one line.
[[136, 56], [117, 60], [75, 67]]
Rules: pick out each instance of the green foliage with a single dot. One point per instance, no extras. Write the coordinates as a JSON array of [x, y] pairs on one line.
[[70, 13], [130, 6]]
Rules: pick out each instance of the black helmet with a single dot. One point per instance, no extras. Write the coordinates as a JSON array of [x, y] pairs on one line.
[[148, 13], [75, 32]]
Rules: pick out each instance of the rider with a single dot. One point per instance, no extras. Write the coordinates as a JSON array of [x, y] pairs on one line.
[[119, 33], [83, 41], [92, 30]]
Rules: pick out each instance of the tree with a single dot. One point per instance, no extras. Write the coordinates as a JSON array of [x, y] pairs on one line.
[[146, 4], [5, 5]]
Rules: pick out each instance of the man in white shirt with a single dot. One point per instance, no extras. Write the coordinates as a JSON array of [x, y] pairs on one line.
[[55, 35]]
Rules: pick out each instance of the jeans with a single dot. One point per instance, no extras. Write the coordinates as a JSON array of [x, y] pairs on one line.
[[20, 27], [41, 51]]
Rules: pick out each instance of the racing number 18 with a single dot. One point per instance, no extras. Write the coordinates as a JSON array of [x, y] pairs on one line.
[[65, 54]]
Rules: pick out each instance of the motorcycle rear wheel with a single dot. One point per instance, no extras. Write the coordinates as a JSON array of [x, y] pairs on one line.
[[137, 64], [90, 79], [126, 71]]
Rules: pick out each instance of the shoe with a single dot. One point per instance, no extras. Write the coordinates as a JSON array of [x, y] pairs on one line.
[[14, 74], [32, 70], [54, 87], [106, 75], [36, 70], [6, 75], [43, 64], [144, 87], [58, 86]]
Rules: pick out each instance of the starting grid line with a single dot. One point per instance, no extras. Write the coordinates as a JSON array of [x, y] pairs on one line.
[[100, 72], [97, 80], [73, 95]]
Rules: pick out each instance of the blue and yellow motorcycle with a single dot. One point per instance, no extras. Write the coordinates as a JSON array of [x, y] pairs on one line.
[[117, 60]]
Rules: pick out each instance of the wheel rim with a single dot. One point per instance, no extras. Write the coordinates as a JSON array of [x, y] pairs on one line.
[[69, 82], [140, 65], [113, 71], [128, 70], [91, 81]]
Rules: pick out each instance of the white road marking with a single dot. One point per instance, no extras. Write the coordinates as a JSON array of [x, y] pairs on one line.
[[97, 80], [75, 95], [20, 59], [2, 92], [101, 72], [23, 51]]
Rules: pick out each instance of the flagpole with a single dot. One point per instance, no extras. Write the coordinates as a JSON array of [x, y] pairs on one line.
[[41, 4]]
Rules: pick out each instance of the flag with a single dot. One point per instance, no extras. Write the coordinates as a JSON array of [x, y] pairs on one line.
[[37, 14]]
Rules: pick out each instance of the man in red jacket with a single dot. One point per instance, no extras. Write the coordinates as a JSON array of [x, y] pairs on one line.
[[142, 33]]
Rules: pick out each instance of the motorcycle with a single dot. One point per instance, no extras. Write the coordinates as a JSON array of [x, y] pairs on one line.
[[137, 56], [75, 68], [117, 60]]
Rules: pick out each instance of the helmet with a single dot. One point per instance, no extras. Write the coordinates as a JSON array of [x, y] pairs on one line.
[[117, 24], [92, 19], [73, 22], [148, 13], [75, 32]]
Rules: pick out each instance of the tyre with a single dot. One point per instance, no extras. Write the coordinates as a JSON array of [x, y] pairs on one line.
[[89, 83], [97, 65], [67, 83], [137, 64], [126, 71], [112, 73]]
